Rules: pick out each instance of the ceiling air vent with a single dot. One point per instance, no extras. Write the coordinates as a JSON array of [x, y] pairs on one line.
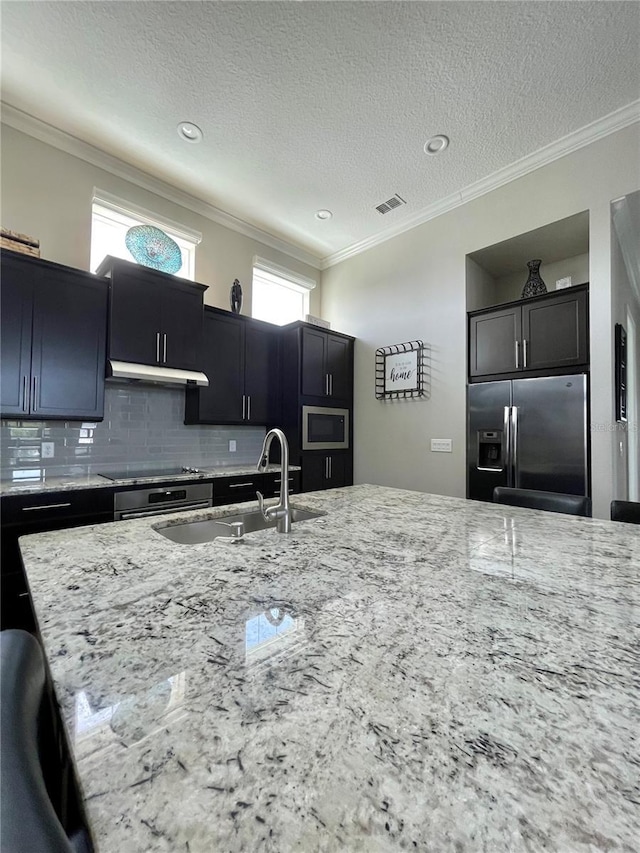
[[390, 204]]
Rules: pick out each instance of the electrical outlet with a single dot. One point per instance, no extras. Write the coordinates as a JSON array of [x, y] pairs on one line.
[[441, 445], [232, 445], [47, 449]]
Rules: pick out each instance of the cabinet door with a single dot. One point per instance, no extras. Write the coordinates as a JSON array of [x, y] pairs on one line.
[[182, 316], [339, 368], [261, 381], [223, 363], [314, 471], [69, 345], [494, 340], [314, 371], [16, 304], [135, 318], [325, 471], [555, 332]]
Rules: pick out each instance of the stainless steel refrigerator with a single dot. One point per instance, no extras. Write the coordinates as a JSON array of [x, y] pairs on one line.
[[528, 434]]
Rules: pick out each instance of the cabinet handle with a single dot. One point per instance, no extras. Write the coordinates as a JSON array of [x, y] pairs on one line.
[[248, 407], [44, 506], [25, 398], [326, 467], [164, 356], [243, 406], [517, 354], [158, 347], [326, 384], [240, 485], [331, 384], [524, 352], [330, 468], [34, 396]]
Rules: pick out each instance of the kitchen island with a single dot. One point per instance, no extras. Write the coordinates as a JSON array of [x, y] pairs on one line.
[[407, 672]]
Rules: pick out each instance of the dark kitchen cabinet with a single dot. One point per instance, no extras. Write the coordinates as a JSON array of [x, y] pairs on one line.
[[240, 357], [230, 490], [555, 332], [25, 514], [546, 333], [326, 365], [53, 340], [326, 470], [154, 318]]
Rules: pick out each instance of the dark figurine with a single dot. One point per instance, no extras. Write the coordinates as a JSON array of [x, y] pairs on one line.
[[236, 297]]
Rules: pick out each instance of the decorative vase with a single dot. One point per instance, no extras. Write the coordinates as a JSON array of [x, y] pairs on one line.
[[236, 297], [534, 285]]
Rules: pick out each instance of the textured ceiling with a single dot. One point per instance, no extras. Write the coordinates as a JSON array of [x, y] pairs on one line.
[[308, 105]]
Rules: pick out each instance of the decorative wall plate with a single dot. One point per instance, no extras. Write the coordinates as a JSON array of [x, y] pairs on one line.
[[400, 371], [151, 247]]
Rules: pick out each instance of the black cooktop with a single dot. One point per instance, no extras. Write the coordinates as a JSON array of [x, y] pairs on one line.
[[148, 473]]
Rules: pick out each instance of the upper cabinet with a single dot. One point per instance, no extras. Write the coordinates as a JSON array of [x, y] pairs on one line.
[[53, 340], [154, 318], [240, 357], [546, 333], [326, 365]]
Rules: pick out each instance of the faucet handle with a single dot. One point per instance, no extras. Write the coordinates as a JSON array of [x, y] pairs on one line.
[[261, 506]]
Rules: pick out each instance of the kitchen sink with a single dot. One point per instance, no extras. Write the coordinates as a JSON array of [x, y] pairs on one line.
[[197, 532]]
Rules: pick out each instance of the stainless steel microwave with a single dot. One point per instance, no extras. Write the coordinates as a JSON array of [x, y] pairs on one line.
[[324, 428]]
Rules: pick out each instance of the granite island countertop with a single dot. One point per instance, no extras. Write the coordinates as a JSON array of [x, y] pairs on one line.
[[408, 672]]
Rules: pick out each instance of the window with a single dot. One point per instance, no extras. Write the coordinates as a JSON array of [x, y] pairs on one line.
[[112, 217], [279, 295]]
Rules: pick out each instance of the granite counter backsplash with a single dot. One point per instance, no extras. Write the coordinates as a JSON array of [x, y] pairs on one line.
[[143, 427]]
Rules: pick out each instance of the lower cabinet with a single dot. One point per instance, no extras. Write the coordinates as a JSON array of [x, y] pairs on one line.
[[326, 470], [25, 514], [229, 490]]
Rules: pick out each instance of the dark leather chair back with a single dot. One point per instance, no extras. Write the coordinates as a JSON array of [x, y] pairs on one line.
[[628, 511], [28, 820], [549, 501]]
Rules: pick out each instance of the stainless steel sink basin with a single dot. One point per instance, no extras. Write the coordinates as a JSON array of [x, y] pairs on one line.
[[197, 532]]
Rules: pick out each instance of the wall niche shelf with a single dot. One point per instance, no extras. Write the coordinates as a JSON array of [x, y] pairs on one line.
[[496, 274]]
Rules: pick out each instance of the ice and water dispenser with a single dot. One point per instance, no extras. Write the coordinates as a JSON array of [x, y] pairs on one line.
[[490, 450]]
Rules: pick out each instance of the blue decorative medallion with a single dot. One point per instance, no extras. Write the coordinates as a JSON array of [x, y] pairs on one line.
[[151, 247]]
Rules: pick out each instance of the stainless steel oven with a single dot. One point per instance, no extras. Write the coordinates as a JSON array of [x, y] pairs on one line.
[[324, 428], [142, 502]]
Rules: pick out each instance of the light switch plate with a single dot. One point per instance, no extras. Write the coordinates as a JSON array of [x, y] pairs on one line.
[[232, 445], [47, 449], [441, 445]]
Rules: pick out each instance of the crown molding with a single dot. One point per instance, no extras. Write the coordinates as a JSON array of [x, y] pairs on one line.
[[50, 135], [605, 126]]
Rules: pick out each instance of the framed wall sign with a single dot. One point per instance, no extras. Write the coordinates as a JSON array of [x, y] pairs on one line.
[[400, 371]]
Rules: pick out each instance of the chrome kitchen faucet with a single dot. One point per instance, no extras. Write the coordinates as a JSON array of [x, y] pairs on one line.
[[281, 510]]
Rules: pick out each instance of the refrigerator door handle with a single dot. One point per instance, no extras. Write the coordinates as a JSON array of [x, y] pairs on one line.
[[507, 443], [514, 445]]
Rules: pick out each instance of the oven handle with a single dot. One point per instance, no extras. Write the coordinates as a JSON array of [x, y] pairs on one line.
[[126, 516]]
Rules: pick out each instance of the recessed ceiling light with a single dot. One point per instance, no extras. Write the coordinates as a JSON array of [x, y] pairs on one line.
[[189, 132], [323, 214], [436, 144]]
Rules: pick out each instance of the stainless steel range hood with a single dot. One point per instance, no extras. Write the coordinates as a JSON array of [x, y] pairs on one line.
[[154, 374]]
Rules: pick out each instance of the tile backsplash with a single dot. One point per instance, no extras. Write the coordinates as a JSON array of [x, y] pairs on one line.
[[143, 427]]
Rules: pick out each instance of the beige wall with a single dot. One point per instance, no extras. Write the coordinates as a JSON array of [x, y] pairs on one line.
[[47, 193], [625, 302], [414, 286]]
